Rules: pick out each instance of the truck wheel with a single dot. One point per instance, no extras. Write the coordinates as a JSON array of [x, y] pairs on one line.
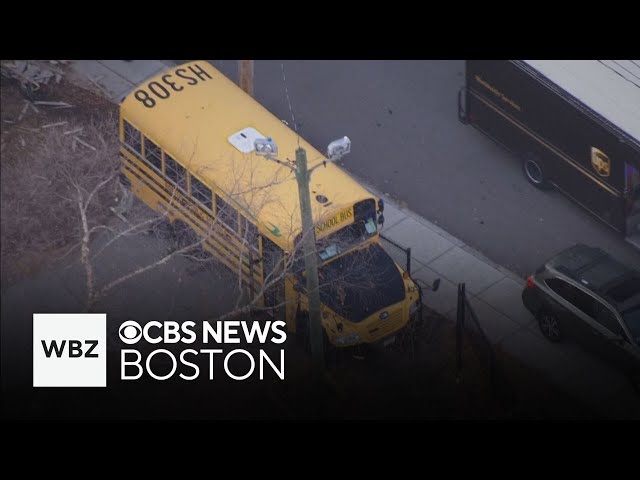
[[533, 171]]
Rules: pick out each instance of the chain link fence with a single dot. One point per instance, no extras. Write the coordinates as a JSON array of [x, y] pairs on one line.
[[399, 254], [469, 329]]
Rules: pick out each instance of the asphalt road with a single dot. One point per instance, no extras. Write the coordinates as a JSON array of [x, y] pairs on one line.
[[401, 117]]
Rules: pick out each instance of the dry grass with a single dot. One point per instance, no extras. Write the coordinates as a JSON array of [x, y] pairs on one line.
[[41, 170]]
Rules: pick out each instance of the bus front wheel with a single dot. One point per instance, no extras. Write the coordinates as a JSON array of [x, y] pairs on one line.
[[302, 330], [534, 172]]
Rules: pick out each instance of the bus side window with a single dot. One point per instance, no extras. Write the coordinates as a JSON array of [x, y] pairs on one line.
[[175, 172], [152, 154], [248, 232], [226, 213], [201, 192], [273, 271], [132, 138]]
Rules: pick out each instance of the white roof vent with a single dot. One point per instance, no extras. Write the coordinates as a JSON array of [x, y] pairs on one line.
[[243, 140]]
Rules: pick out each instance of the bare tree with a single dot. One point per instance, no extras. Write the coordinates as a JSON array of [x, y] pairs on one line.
[[72, 191], [40, 190], [62, 199]]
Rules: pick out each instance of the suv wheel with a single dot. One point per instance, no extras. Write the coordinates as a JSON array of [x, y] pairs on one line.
[[549, 326]]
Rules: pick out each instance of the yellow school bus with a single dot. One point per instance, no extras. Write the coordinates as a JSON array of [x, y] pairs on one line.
[[187, 150]]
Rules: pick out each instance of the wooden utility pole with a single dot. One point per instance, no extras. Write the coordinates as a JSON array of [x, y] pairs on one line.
[[336, 150], [245, 75], [316, 331]]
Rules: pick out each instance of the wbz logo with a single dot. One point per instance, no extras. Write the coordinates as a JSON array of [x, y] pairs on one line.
[[75, 348], [69, 350]]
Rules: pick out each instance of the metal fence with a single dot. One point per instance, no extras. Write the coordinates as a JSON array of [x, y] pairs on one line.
[[399, 254], [402, 256], [468, 329]]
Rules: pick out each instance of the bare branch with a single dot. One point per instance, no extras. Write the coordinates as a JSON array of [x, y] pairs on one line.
[[99, 186], [128, 231], [104, 290]]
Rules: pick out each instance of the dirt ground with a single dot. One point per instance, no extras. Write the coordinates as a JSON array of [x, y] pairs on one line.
[[24, 125]]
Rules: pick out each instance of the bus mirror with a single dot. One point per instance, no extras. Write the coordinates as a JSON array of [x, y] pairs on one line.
[[433, 287], [380, 206], [381, 220]]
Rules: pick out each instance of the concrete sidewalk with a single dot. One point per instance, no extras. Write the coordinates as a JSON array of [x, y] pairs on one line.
[[116, 78], [495, 294], [494, 291]]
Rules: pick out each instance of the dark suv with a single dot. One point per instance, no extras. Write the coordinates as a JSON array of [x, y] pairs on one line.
[[586, 294]]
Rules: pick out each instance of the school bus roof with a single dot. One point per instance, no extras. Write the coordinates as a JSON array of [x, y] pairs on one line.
[[192, 110]]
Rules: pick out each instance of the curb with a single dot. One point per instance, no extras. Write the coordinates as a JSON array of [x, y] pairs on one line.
[[439, 230]]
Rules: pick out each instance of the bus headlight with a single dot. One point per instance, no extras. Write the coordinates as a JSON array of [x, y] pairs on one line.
[[351, 339]]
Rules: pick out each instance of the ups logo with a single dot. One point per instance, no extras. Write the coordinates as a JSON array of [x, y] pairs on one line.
[[600, 162]]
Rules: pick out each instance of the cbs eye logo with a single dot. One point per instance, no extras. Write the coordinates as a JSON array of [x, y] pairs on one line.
[[130, 332]]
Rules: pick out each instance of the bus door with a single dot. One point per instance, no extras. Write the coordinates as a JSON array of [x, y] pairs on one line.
[[273, 268], [632, 203]]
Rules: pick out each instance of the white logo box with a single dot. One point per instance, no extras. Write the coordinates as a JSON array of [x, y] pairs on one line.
[[76, 360]]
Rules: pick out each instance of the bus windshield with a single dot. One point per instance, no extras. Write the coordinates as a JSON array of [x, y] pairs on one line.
[[363, 227], [346, 238]]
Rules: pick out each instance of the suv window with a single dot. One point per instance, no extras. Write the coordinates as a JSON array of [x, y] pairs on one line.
[[632, 319], [606, 318], [575, 296]]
